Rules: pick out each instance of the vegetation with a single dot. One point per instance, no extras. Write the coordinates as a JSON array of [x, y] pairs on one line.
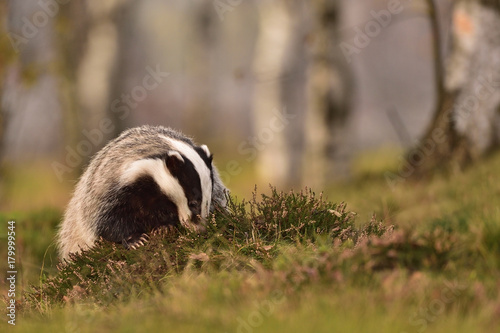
[[291, 261]]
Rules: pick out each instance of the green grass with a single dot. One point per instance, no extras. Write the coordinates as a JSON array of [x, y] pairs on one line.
[[35, 232], [429, 261]]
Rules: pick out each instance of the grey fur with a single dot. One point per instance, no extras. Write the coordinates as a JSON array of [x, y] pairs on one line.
[[98, 188]]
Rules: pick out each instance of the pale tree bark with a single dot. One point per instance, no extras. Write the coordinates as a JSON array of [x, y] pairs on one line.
[[233, 35], [294, 80], [329, 98], [206, 31], [73, 20], [29, 89], [94, 73], [88, 43], [307, 87], [125, 63], [465, 124], [269, 142]]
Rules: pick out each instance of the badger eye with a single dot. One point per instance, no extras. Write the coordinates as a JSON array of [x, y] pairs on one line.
[[193, 204]]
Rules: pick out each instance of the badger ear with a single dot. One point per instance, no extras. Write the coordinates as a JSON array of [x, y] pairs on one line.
[[205, 154], [206, 150], [175, 154], [174, 160]]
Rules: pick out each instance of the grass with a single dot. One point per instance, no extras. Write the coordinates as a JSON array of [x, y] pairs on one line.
[[429, 261]]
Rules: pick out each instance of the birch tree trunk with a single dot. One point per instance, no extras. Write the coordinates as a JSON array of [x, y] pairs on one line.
[[293, 87], [87, 44], [466, 121], [307, 87], [72, 38], [94, 71], [269, 143], [29, 93], [329, 95]]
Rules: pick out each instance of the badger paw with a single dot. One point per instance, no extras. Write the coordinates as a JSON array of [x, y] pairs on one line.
[[163, 230], [135, 241]]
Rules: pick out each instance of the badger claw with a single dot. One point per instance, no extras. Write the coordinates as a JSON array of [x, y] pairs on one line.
[[163, 230], [135, 241]]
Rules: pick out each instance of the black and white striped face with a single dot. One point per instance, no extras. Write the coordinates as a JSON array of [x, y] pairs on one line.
[[184, 175]]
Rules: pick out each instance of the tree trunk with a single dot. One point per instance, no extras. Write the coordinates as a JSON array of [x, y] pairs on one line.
[[308, 90], [293, 85], [466, 120], [29, 91], [72, 36], [329, 96], [125, 65], [268, 145]]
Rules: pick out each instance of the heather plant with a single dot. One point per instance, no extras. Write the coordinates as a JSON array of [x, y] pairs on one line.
[[246, 234]]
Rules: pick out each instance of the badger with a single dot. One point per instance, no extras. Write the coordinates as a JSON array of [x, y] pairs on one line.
[[147, 178]]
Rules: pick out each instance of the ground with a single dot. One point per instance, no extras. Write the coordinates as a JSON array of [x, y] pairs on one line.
[[408, 257]]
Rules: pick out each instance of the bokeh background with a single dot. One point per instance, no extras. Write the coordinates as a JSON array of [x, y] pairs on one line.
[[284, 92]]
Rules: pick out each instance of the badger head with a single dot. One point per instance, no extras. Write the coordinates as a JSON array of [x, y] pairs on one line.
[[184, 175], [193, 172]]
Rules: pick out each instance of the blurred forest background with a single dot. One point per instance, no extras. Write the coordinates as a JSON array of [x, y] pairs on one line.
[[285, 92], [385, 105]]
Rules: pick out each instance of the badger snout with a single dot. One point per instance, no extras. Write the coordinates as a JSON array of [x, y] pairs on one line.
[[195, 223]]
